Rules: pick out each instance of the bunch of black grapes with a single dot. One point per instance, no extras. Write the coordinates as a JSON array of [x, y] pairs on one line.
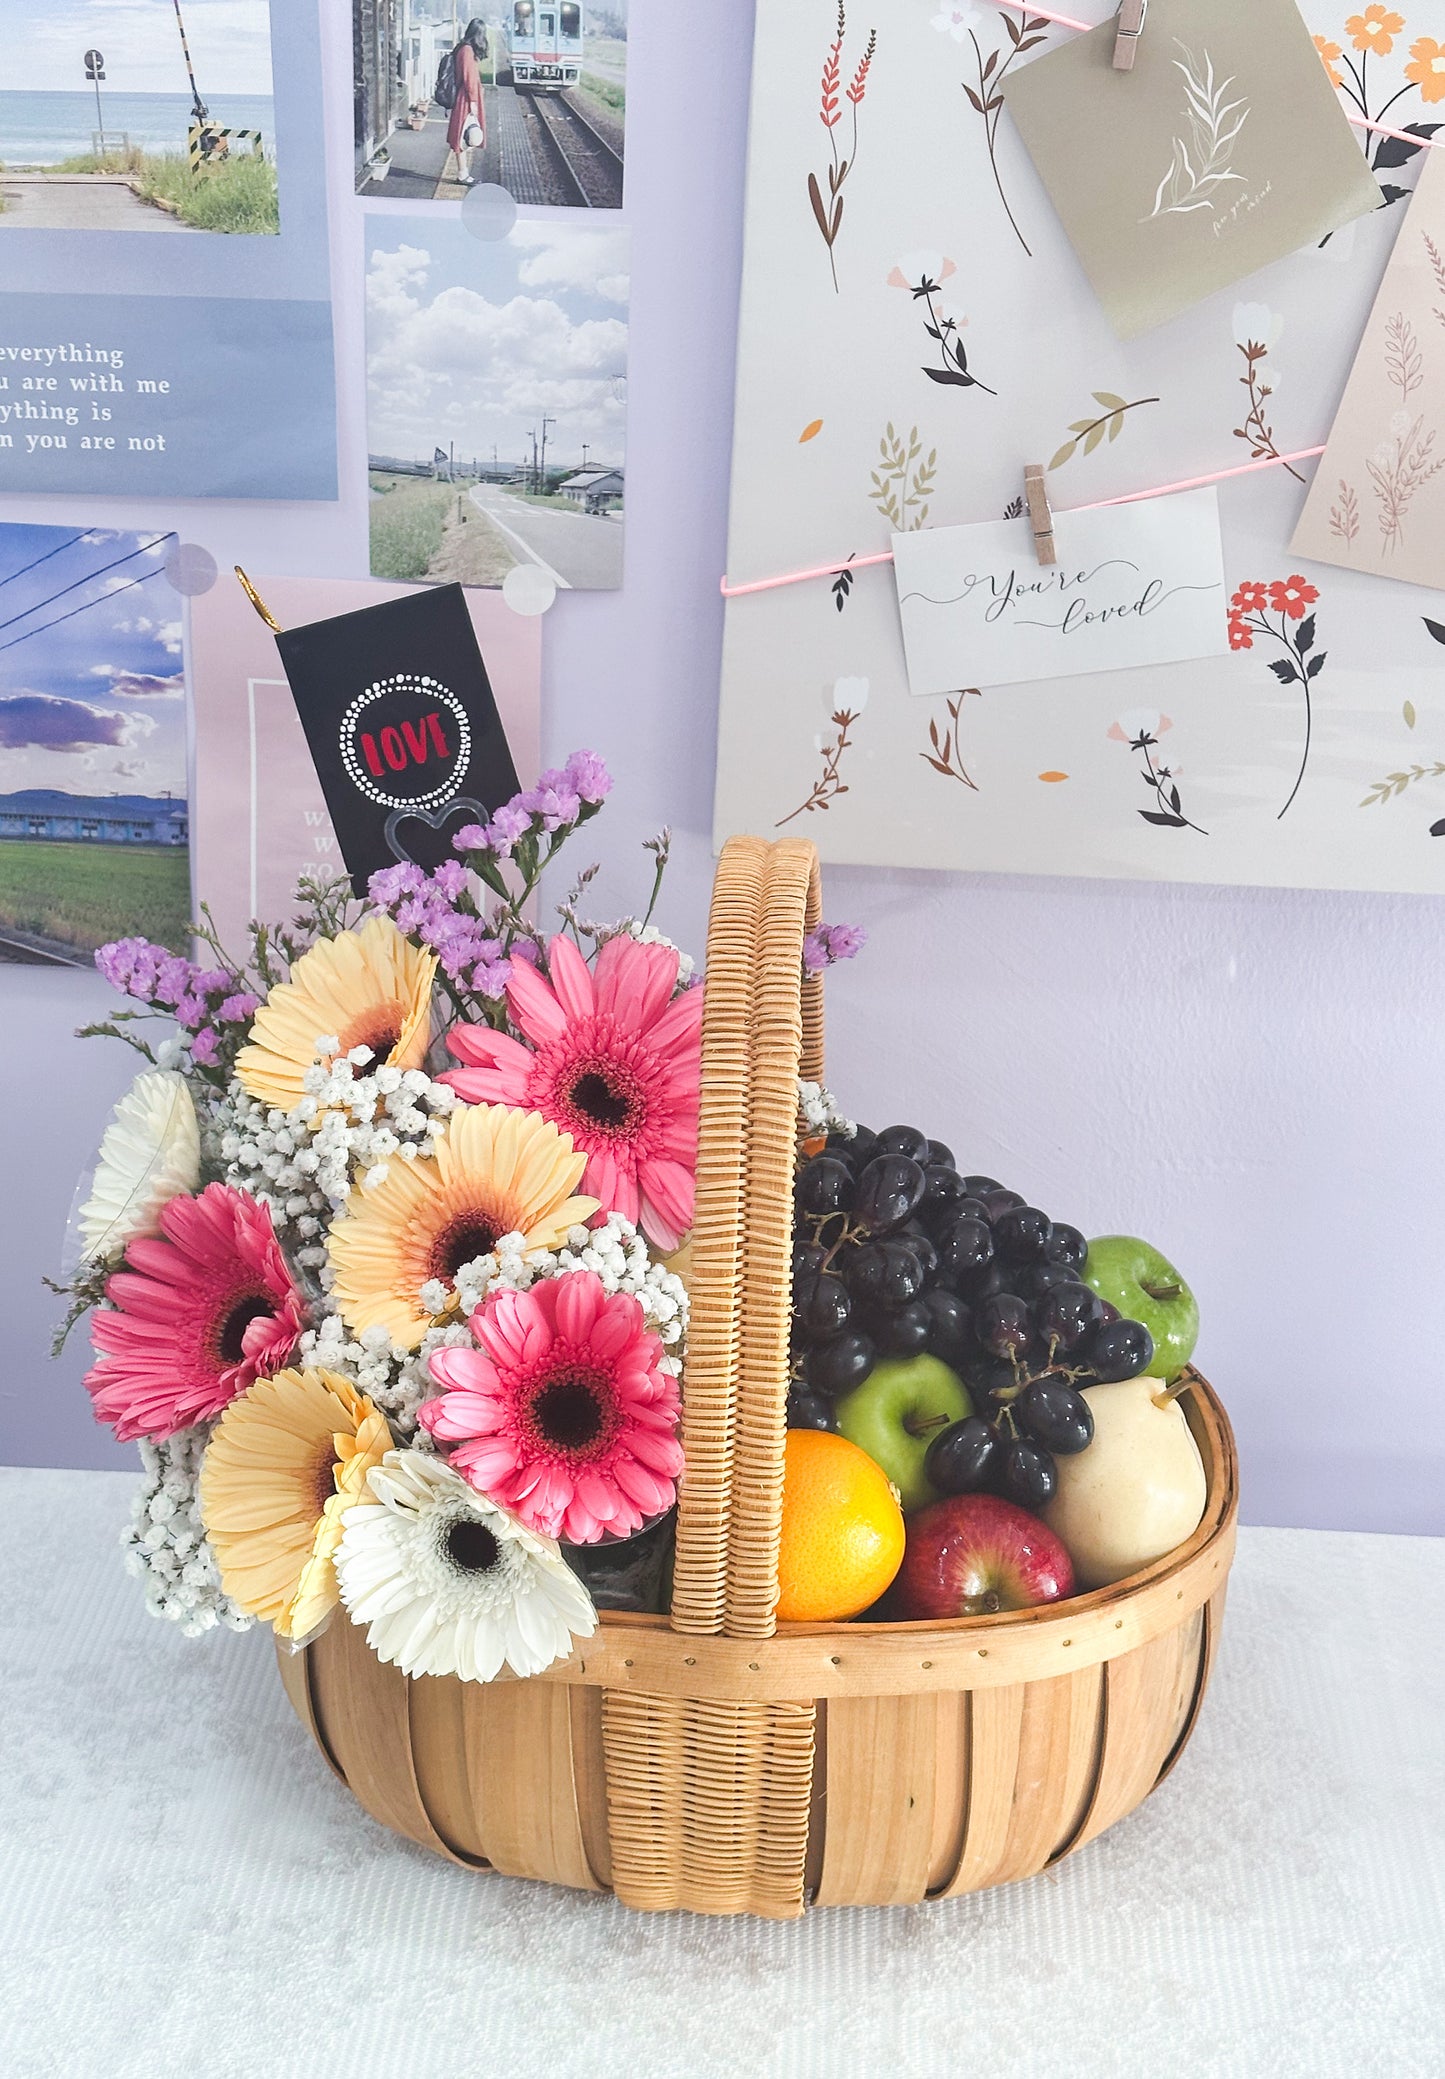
[[896, 1253]]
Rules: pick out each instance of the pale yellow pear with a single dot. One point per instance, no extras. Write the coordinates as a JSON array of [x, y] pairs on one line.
[[1137, 1492]]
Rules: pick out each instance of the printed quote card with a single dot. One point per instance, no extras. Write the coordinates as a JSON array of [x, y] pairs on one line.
[[1224, 150], [1134, 585], [1377, 503]]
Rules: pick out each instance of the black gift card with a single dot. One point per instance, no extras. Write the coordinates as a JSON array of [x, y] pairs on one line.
[[399, 714]]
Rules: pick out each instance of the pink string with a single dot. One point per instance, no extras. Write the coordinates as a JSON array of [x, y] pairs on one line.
[[1189, 483], [1066, 21]]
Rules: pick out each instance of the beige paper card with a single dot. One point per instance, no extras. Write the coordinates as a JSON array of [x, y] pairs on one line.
[[1222, 151], [1377, 503]]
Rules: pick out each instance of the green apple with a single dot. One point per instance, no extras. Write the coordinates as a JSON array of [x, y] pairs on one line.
[[1145, 1287], [896, 1413], [1137, 1492]]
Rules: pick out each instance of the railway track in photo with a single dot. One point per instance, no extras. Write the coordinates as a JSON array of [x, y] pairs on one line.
[[583, 164]]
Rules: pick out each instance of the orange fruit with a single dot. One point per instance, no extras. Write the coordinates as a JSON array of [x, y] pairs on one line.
[[842, 1539]]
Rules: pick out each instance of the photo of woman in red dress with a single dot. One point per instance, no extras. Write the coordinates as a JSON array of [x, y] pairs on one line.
[[467, 130]]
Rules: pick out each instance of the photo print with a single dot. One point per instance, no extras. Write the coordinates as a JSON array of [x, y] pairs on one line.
[[497, 401], [198, 363], [94, 814], [151, 115], [528, 96]]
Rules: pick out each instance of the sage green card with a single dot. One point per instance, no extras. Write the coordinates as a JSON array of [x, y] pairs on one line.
[[1222, 151]]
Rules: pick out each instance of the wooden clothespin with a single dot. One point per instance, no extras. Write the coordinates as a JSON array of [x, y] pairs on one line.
[[1128, 28], [1041, 519]]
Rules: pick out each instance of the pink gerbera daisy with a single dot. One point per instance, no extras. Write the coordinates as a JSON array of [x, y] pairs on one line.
[[563, 1412], [203, 1310], [616, 1061]]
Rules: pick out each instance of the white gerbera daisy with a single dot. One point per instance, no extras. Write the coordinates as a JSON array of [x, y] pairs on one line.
[[449, 1583], [151, 1153]]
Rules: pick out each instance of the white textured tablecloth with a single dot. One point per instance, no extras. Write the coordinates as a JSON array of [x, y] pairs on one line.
[[185, 1889]]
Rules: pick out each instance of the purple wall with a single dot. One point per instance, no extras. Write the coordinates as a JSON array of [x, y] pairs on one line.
[[1249, 1078]]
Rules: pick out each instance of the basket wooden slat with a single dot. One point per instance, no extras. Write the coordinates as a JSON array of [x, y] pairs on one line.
[[712, 1759]]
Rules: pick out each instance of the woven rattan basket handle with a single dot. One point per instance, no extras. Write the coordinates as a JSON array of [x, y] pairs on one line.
[[762, 1028]]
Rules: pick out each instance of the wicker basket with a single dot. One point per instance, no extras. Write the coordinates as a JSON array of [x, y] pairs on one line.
[[712, 1760]]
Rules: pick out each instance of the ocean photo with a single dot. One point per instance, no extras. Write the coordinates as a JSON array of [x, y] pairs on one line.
[[44, 129], [148, 115]]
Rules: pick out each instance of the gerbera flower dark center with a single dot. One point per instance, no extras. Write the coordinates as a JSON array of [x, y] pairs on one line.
[[570, 1414], [378, 1027], [470, 1235], [470, 1546], [600, 1101], [231, 1335]]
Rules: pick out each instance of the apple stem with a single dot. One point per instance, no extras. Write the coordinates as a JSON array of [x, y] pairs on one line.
[[921, 1428], [1164, 1293]]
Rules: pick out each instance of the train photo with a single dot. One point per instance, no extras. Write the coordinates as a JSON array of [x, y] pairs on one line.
[[540, 44]]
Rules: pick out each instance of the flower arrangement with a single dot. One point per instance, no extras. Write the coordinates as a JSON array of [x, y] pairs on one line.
[[385, 1251]]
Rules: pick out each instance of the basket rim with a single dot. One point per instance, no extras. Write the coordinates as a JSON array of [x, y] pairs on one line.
[[641, 1651]]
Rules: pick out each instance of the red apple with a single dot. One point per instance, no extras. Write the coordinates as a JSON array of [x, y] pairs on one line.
[[974, 1554]]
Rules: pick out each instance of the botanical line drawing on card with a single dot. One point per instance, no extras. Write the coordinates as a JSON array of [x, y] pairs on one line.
[[946, 755], [1202, 161], [1141, 730], [902, 486], [1372, 33], [1397, 469], [1256, 333], [1345, 514], [1404, 363], [923, 275], [1394, 783], [985, 99], [1437, 265], [830, 214], [1091, 432], [1249, 615], [846, 703], [842, 585]]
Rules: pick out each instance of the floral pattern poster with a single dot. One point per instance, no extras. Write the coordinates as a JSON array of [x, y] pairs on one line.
[[915, 329]]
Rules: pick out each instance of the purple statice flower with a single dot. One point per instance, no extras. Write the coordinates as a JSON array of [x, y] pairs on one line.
[[553, 801], [472, 837], [831, 943], [210, 981], [586, 776], [206, 1048], [239, 1009], [509, 825], [451, 878], [491, 976], [191, 1012], [173, 979], [391, 883]]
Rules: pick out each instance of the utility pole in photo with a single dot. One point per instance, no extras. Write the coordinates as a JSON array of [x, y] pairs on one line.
[[542, 483], [95, 72]]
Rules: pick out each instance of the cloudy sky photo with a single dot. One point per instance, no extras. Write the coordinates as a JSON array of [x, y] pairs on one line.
[[94, 704], [44, 44], [473, 343]]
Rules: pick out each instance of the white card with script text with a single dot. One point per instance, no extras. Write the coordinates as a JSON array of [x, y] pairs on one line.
[[1134, 585]]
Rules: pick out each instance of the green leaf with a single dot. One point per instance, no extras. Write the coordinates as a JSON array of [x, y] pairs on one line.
[[1409, 713], [1093, 437], [1116, 425], [1065, 454], [1109, 401]]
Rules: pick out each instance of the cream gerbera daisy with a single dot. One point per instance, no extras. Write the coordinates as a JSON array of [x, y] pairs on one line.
[[367, 988], [287, 1461], [150, 1154], [450, 1584], [495, 1171]]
